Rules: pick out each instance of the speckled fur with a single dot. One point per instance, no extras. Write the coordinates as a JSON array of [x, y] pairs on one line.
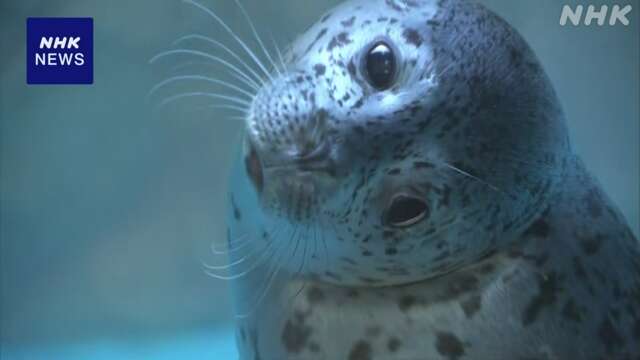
[[521, 257]]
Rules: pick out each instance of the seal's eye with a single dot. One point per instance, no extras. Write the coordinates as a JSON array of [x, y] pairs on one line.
[[405, 211], [380, 66]]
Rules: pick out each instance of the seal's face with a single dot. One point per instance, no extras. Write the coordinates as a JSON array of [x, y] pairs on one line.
[[416, 135]]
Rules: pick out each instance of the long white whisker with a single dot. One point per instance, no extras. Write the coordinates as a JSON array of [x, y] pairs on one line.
[[269, 252], [255, 34], [233, 34], [244, 242], [270, 280], [279, 53], [464, 173], [227, 107], [188, 64], [223, 47], [207, 56], [243, 259], [203, 94], [200, 78]]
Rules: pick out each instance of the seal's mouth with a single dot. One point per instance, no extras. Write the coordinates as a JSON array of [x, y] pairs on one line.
[[315, 161], [292, 182]]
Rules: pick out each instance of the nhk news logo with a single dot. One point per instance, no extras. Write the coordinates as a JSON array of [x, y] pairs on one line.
[[60, 51]]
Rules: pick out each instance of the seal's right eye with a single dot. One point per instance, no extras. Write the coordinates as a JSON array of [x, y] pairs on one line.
[[405, 211], [380, 66]]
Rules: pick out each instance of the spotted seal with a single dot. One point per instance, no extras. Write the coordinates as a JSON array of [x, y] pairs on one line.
[[408, 191]]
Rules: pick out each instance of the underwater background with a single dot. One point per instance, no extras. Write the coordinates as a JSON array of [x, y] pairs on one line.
[[108, 206]]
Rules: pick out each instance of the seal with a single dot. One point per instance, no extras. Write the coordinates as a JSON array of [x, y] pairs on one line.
[[408, 191]]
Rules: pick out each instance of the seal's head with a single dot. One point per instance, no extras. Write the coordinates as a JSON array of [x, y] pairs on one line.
[[417, 135]]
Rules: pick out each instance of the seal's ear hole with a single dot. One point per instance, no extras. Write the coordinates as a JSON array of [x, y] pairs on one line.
[[380, 65], [405, 211]]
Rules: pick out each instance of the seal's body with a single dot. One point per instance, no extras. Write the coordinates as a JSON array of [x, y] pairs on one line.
[[409, 192]]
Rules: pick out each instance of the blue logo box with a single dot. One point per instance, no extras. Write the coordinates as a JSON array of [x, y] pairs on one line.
[[59, 51]]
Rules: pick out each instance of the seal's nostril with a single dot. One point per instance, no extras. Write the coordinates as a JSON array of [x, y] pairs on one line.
[[254, 168]]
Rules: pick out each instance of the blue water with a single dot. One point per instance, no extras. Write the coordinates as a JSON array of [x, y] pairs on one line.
[[214, 345]]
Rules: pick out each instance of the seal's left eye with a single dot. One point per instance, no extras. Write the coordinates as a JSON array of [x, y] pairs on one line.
[[380, 66], [405, 211]]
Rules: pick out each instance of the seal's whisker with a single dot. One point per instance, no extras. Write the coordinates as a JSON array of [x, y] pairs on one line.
[[177, 97], [326, 249], [233, 35], [207, 56], [303, 268], [239, 109], [305, 239], [464, 173], [242, 260], [179, 78], [241, 243], [223, 47], [188, 64], [279, 53], [255, 34], [447, 225], [264, 258], [273, 272]]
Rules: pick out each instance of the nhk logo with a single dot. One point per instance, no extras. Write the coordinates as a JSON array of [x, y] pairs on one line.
[[59, 50], [57, 58], [577, 16]]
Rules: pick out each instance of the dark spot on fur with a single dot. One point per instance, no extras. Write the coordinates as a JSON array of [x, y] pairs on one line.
[[326, 17], [394, 344], [406, 302], [319, 69], [339, 40], [349, 22], [433, 23], [471, 305], [461, 285], [295, 336], [360, 351], [412, 37], [547, 295], [449, 346], [322, 33]]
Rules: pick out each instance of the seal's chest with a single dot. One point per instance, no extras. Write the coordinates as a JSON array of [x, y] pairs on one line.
[[419, 321]]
